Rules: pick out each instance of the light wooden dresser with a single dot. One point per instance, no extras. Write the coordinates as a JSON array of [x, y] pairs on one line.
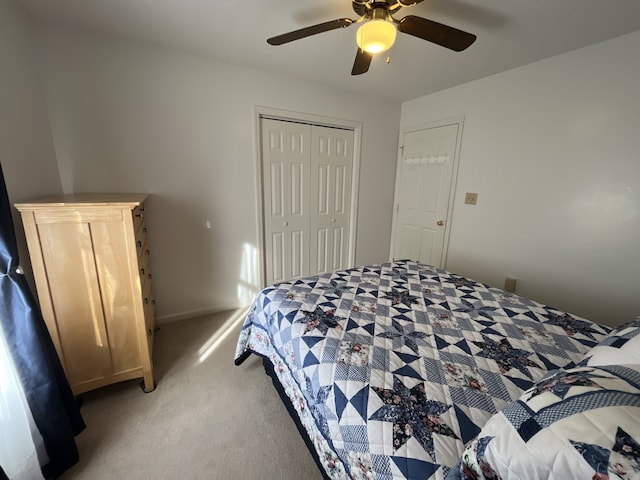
[[90, 261]]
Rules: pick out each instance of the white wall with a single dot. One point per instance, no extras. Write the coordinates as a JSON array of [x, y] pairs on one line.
[[553, 150], [26, 148], [133, 117]]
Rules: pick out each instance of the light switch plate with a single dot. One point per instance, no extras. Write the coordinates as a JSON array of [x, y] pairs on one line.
[[471, 198]]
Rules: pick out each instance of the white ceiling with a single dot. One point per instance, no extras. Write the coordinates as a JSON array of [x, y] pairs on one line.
[[510, 33]]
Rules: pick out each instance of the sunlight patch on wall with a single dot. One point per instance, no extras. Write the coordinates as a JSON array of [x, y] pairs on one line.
[[249, 285], [223, 332], [248, 288]]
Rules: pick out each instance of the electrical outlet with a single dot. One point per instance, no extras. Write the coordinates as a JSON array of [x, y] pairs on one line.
[[471, 198], [510, 284]]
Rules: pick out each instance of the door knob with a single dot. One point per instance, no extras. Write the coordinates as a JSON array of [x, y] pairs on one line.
[[286, 224], [440, 222], [333, 220]]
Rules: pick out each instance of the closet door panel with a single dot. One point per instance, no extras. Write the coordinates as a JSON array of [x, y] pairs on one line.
[[331, 167], [285, 156]]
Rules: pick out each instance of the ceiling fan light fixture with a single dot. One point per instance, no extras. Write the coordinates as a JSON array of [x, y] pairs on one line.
[[376, 35]]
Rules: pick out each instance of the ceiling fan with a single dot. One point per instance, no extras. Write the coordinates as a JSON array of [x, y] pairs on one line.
[[378, 30]]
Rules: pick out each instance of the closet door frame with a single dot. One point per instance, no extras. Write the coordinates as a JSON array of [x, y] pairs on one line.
[[311, 119]]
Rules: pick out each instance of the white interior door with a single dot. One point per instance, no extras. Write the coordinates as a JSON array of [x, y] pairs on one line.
[[285, 157], [423, 191], [331, 170]]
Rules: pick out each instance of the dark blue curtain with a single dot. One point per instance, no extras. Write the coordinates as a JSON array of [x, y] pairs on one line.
[[49, 396]]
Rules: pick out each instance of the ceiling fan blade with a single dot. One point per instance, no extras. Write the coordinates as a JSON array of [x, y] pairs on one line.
[[361, 63], [435, 32], [308, 31], [409, 3]]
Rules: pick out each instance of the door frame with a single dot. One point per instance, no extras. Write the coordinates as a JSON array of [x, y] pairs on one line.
[[261, 112], [459, 121]]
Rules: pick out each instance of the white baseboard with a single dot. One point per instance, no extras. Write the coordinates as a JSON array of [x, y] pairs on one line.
[[178, 317]]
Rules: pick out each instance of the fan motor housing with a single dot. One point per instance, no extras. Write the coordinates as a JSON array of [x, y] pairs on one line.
[[364, 8]]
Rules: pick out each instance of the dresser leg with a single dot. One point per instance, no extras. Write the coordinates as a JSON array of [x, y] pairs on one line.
[[148, 386]]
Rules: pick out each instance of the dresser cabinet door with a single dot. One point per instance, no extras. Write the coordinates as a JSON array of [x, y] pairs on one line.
[[74, 288], [118, 294]]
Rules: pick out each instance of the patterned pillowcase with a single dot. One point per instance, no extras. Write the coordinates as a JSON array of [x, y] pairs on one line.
[[582, 422], [620, 347]]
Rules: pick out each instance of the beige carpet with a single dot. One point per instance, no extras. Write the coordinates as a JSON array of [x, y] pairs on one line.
[[207, 419]]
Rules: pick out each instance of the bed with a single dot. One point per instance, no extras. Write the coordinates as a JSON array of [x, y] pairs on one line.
[[403, 370]]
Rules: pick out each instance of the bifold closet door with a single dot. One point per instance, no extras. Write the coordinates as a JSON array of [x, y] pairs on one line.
[[285, 168], [307, 175], [331, 172]]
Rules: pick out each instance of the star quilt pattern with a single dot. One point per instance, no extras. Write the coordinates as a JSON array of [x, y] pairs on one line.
[[394, 368]]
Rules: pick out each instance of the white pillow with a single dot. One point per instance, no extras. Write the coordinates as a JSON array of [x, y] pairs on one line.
[[620, 347], [581, 423]]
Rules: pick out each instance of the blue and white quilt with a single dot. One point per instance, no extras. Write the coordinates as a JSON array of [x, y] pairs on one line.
[[394, 368]]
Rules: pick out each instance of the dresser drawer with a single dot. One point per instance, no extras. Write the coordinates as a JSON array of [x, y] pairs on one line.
[[138, 217], [141, 240], [149, 306], [144, 270]]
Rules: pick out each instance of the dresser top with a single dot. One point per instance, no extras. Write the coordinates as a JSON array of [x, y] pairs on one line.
[[85, 200]]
